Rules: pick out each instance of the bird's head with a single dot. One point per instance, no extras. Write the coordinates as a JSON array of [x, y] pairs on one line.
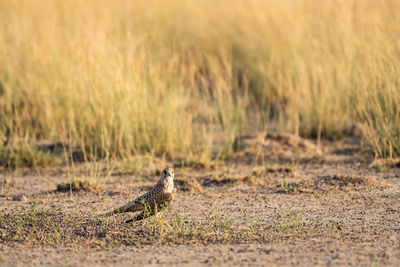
[[167, 174], [167, 179]]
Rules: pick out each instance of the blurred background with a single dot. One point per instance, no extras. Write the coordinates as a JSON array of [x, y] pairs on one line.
[[183, 79]]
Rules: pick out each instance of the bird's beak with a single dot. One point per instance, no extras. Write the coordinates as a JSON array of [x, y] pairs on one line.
[[169, 173]]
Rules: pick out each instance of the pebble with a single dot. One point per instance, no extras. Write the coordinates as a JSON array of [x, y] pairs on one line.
[[19, 198]]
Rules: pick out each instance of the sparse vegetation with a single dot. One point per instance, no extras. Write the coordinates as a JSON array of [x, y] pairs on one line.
[[219, 210], [180, 78], [51, 226]]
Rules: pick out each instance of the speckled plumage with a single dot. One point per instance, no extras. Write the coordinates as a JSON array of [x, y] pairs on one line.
[[154, 200]]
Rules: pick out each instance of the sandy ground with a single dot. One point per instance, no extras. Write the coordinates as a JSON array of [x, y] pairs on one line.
[[279, 200]]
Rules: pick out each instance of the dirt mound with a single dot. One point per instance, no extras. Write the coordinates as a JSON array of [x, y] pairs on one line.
[[227, 179], [382, 164], [188, 184], [280, 144], [90, 185], [331, 183], [274, 169], [343, 181]]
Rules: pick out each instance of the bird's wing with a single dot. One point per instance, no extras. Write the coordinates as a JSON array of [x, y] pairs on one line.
[[164, 198], [158, 203], [134, 205]]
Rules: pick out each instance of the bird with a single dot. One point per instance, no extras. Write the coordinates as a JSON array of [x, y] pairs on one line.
[[156, 199]]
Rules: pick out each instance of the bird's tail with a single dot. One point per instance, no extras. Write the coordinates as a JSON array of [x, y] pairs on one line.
[[130, 207], [141, 216], [111, 213], [116, 211]]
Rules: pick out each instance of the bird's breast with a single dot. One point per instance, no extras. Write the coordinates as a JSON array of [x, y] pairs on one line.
[[170, 187]]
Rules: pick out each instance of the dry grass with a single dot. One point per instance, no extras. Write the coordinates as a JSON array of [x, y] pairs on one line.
[[176, 77]]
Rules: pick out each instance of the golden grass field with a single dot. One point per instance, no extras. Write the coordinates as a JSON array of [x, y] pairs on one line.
[[175, 78]]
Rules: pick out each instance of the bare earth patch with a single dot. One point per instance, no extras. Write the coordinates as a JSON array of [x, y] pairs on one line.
[[256, 210]]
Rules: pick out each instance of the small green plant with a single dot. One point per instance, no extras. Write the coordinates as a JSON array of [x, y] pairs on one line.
[[375, 260], [284, 224], [253, 224], [289, 188], [186, 260], [179, 227]]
